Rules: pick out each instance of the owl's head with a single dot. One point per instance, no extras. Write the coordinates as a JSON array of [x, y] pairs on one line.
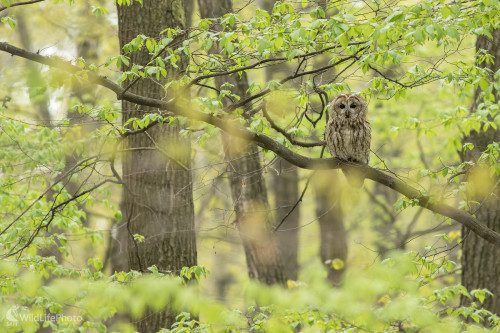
[[349, 107]]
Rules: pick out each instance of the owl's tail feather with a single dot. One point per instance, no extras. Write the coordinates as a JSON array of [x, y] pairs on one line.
[[354, 178]]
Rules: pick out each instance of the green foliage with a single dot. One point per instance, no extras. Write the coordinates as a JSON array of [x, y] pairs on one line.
[[375, 51], [9, 20], [384, 297], [26, 180]]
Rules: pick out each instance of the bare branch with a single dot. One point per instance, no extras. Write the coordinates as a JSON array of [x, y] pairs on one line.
[[287, 135]]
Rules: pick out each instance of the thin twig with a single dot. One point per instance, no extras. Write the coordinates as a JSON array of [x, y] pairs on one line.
[[287, 135], [296, 203]]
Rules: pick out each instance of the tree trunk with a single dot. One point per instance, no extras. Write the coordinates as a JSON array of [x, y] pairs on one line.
[[35, 80], [41, 102], [248, 187], [117, 251], [481, 259], [267, 5], [285, 186], [333, 243], [158, 198], [286, 194], [333, 236]]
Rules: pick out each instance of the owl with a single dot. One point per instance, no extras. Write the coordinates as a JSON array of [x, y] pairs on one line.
[[348, 133]]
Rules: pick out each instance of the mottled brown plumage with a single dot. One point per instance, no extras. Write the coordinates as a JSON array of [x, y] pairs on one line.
[[348, 132]]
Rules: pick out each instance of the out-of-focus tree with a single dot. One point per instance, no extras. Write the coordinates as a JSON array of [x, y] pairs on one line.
[[284, 181], [248, 187], [157, 182], [480, 259]]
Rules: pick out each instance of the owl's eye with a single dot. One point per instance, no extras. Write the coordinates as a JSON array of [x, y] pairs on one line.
[[353, 106], [342, 106]]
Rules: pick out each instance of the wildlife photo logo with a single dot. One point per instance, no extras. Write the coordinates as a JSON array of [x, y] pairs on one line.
[[18, 314]]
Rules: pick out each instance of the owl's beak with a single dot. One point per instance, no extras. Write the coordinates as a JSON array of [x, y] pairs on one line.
[[348, 114]]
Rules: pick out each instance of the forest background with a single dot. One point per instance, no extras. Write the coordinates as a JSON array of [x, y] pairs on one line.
[[163, 166]]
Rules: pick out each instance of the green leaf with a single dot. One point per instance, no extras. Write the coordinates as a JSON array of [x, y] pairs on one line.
[[344, 41], [430, 29], [479, 294], [295, 35], [293, 53], [203, 24], [445, 11], [484, 83], [452, 32], [9, 21], [139, 238], [337, 264], [468, 146], [315, 24], [350, 17], [419, 36], [208, 44], [150, 45], [263, 45], [278, 42], [230, 49], [98, 11], [98, 265], [125, 60]]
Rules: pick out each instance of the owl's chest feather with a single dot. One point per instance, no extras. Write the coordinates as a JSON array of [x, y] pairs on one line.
[[349, 140], [347, 132]]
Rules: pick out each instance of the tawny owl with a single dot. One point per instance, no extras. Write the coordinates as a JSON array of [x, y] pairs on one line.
[[348, 133]]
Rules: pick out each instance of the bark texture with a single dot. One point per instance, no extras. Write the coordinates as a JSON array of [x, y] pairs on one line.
[[248, 188], [158, 199], [481, 259]]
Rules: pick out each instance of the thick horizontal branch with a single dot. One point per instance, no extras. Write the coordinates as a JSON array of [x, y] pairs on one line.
[[233, 128]]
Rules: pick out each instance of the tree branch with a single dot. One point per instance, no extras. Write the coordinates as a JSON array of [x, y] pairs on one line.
[[233, 128], [294, 76], [264, 61], [20, 4], [287, 135]]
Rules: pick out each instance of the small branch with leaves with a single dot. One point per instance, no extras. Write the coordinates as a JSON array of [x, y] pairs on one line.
[[22, 3]]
